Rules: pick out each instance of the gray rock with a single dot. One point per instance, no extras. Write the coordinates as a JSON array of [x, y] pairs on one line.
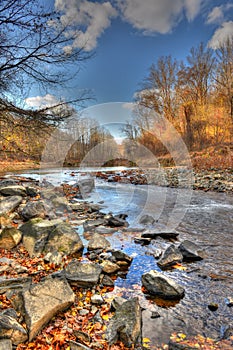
[[90, 225], [11, 329], [35, 234], [97, 299], [228, 332], [44, 236], [14, 190], [125, 325], [42, 301], [10, 238], [107, 281], [8, 204], [86, 186], [114, 221], [7, 284], [156, 283], [109, 267], [33, 209], [5, 344], [190, 251], [98, 242], [7, 182], [63, 239], [171, 256], [32, 191], [54, 258], [142, 240], [146, 220], [83, 275], [121, 256], [117, 302]]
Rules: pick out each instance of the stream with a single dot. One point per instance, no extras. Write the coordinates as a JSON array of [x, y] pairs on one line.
[[204, 218]]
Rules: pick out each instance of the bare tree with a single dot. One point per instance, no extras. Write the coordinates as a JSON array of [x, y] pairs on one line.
[[32, 46]]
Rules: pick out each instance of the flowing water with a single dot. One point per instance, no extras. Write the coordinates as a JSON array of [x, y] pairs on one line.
[[204, 218]]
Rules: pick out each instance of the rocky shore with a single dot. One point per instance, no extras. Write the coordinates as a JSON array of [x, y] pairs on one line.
[[206, 180], [57, 264]]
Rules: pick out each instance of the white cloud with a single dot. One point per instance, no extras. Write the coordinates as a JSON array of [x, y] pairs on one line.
[[216, 15], [221, 35], [41, 101], [129, 106], [192, 8], [92, 18], [156, 16]]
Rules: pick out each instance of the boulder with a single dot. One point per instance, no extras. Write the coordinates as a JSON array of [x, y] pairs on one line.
[[44, 236], [32, 191], [7, 182], [125, 326], [35, 234], [10, 238], [156, 283], [64, 239], [11, 329], [190, 251], [33, 209], [98, 242], [8, 204], [42, 301], [171, 256], [83, 275], [13, 190], [146, 220], [107, 281]]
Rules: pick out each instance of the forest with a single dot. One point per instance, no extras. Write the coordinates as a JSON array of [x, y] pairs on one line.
[[195, 95]]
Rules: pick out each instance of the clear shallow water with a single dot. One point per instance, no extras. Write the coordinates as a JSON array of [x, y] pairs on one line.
[[204, 218]]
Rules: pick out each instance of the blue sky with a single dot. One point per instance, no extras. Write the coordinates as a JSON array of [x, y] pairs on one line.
[[127, 36]]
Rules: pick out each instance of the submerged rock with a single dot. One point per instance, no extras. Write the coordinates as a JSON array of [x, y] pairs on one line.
[[156, 283], [125, 325], [147, 220]]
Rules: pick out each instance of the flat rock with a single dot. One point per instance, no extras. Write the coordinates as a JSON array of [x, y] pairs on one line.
[[10, 238], [102, 230], [158, 284], [98, 242], [11, 329], [7, 284], [42, 301], [8, 204], [125, 326], [190, 251], [83, 275], [114, 221], [14, 190], [171, 256]]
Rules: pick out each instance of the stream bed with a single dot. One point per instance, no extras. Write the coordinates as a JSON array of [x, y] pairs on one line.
[[204, 218]]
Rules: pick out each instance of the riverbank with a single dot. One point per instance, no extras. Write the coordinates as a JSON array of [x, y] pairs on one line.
[[15, 166]]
